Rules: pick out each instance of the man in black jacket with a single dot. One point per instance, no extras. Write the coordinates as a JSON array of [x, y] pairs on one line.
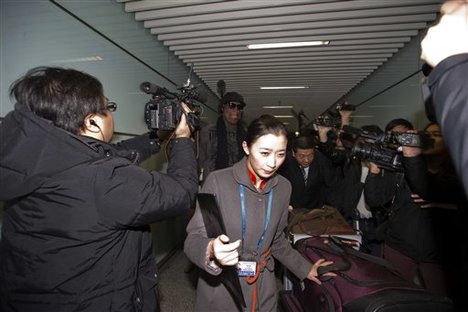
[[75, 233], [310, 173], [445, 48]]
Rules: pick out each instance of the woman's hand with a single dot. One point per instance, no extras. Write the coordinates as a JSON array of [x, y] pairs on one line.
[[313, 274], [224, 252]]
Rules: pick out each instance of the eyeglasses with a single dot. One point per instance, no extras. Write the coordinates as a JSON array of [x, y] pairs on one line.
[[111, 106], [235, 105]]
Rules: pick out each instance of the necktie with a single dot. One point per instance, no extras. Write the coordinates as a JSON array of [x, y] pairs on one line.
[[304, 173]]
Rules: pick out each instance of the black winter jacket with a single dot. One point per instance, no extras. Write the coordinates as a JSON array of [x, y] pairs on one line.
[[423, 234], [75, 233], [448, 84]]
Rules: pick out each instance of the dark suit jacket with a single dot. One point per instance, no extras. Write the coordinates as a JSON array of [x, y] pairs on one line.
[[320, 180]]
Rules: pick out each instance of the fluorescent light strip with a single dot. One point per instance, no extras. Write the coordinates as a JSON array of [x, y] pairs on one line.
[[283, 116], [283, 88], [286, 45], [280, 106], [81, 59]]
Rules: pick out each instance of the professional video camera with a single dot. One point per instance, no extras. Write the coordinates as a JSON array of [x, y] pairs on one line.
[[164, 110], [384, 157], [382, 149], [418, 139]]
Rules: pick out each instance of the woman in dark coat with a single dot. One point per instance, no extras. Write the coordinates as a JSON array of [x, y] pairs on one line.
[[75, 233], [253, 201]]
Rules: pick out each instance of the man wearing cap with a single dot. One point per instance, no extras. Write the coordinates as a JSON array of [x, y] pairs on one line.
[[221, 143]]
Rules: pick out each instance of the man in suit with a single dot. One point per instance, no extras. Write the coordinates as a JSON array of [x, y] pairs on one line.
[[310, 173]]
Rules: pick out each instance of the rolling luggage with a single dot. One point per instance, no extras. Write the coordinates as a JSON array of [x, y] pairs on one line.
[[364, 283]]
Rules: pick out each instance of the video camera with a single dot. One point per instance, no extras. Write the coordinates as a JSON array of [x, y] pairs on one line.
[[345, 107], [384, 157], [327, 121], [382, 149], [419, 139], [164, 110], [332, 119]]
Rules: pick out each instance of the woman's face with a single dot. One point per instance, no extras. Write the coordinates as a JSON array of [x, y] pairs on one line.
[[266, 154], [434, 132]]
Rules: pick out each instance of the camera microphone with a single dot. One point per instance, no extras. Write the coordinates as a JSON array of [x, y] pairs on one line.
[[151, 88]]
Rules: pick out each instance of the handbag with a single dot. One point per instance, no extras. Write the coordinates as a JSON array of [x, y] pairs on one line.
[[326, 220]]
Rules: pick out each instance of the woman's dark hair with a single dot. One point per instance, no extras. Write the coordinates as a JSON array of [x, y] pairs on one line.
[[398, 122], [265, 124], [63, 96], [432, 123]]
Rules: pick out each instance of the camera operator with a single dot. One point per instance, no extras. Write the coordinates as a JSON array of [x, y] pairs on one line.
[[347, 195], [445, 48], [438, 191], [76, 231], [411, 234]]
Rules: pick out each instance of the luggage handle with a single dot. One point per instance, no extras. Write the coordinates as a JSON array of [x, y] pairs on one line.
[[331, 268], [338, 246]]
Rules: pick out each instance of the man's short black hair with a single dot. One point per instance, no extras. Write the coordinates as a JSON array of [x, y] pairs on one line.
[[63, 96], [398, 122], [304, 142]]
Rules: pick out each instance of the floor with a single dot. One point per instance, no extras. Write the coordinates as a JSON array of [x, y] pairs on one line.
[[176, 287]]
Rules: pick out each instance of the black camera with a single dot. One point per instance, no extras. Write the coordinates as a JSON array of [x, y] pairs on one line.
[[327, 121], [382, 149], [367, 145], [345, 107], [384, 157], [164, 110], [419, 139]]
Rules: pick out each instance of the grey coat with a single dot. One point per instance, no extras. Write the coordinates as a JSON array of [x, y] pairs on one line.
[[211, 294]]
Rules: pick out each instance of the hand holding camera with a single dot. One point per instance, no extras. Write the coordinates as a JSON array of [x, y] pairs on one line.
[[183, 129]]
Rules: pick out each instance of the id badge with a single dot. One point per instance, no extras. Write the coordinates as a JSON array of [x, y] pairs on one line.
[[246, 268]]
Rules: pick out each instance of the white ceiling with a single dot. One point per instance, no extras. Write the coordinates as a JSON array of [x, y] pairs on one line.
[[213, 35]]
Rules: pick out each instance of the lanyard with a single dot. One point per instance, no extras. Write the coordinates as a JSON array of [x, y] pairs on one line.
[[267, 219]]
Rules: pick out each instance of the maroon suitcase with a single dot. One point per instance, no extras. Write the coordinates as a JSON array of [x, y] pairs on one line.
[[363, 283]]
